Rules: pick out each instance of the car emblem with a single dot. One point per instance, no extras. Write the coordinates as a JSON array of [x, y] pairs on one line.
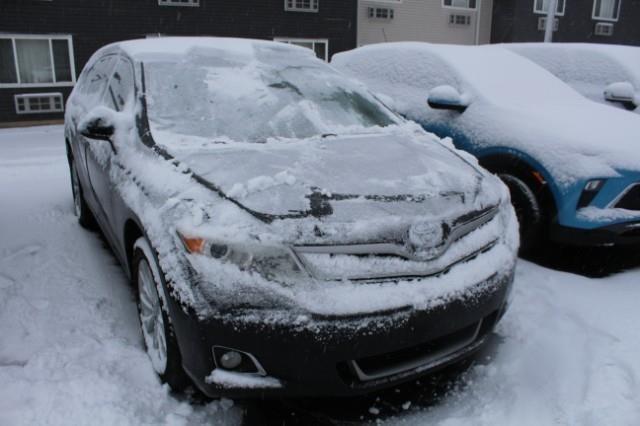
[[424, 236]]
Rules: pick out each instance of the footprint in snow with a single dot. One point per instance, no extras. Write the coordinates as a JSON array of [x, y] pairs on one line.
[[6, 281]]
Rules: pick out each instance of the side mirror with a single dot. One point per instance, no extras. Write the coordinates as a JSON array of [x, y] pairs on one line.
[[98, 124], [447, 97], [623, 92]]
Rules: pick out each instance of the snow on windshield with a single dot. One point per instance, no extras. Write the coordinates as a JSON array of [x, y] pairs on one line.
[[273, 92]]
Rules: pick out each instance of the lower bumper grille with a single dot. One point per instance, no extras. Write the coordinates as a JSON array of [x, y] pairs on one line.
[[631, 199], [421, 357]]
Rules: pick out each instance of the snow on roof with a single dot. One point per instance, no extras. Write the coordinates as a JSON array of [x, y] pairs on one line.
[[584, 62], [162, 47], [513, 103]]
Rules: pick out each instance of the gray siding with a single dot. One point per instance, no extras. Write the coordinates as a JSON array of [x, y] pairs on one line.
[[422, 20]]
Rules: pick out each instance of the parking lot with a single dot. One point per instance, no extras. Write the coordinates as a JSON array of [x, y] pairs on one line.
[[71, 350]]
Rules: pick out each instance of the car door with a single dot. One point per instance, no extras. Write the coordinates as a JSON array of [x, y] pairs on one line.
[[98, 153]]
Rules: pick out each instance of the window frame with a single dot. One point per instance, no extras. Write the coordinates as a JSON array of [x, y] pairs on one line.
[[390, 12], [49, 38], [291, 40], [177, 3], [28, 110], [295, 8], [596, 18], [543, 12], [475, 7]]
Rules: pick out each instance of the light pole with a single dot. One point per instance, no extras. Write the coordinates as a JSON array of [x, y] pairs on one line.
[[478, 16], [551, 18]]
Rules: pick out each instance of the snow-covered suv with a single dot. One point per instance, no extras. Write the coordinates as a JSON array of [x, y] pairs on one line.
[[286, 233]]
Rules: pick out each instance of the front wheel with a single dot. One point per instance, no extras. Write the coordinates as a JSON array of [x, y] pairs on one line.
[[528, 211], [157, 331]]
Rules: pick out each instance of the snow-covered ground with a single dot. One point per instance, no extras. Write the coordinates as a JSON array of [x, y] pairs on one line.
[[568, 351]]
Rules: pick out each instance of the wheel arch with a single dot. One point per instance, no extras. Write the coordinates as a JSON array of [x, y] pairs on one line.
[[527, 168], [131, 232]]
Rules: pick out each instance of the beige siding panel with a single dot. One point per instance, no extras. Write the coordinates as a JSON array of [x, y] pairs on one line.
[[421, 20]]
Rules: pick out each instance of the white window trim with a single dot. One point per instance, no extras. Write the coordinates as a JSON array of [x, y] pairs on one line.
[[174, 3], [50, 37], [542, 12], [307, 40], [39, 95], [444, 6], [595, 18], [390, 13], [386, 1], [301, 9]]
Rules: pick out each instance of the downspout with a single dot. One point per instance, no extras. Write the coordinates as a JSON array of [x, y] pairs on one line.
[[551, 18], [478, 18]]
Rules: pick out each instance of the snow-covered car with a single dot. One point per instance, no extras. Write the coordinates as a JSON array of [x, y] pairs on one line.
[[286, 233], [608, 74], [573, 166]]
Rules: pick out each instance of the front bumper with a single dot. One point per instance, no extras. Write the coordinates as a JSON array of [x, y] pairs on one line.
[[620, 234], [343, 356]]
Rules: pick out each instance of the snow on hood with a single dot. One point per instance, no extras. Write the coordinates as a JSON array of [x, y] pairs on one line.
[[526, 108], [361, 176]]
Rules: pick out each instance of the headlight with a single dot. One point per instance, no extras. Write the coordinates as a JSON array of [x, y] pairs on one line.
[[272, 262], [590, 191]]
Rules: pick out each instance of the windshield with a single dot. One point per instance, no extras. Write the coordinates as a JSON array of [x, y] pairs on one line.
[[271, 92]]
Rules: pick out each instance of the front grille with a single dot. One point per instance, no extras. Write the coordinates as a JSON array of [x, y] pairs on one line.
[[395, 260], [422, 357], [631, 199]]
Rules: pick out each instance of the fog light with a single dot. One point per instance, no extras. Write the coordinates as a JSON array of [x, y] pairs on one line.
[[230, 360]]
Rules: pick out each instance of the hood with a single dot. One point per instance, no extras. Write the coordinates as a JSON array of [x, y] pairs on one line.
[[342, 178]]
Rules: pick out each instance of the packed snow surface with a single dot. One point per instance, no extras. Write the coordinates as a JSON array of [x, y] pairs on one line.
[[71, 351], [514, 104]]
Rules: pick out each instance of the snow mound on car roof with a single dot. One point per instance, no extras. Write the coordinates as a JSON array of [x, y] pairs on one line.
[[515, 104], [161, 48], [583, 62]]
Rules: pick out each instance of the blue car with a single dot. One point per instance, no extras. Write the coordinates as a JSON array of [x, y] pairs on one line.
[[573, 166]]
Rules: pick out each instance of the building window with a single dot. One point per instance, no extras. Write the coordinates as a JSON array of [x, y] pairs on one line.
[[38, 103], [460, 4], [191, 3], [380, 13], [604, 29], [301, 5], [36, 61], [542, 6], [319, 46], [462, 20], [606, 10]]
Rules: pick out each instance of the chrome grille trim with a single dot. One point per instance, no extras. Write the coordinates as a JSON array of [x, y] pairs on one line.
[[399, 250]]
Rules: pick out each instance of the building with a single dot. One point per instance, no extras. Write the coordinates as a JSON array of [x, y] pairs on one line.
[[436, 21], [590, 21], [44, 44]]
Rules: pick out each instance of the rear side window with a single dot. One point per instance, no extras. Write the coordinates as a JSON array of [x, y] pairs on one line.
[[121, 86]]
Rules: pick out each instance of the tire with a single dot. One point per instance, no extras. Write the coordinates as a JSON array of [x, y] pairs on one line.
[[529, 212], [80, 207], [157, 332]]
